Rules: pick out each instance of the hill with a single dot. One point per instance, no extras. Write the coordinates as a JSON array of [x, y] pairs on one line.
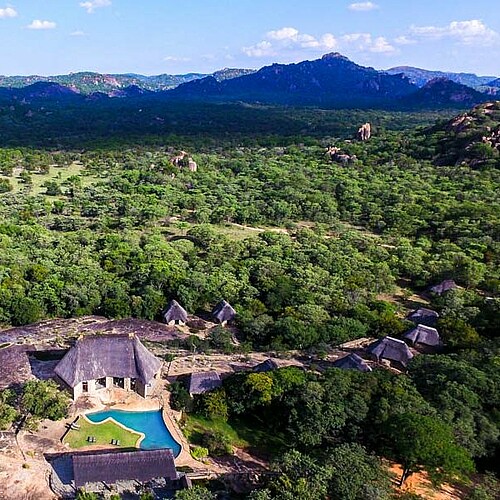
[[420, 77], [442, 93], [472, 137], [332, 81], [112, 84]]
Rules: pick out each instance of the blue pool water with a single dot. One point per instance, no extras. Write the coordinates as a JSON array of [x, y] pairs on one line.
[[148, 422]]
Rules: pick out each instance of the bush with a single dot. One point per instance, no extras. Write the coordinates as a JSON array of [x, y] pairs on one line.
[[217, 443], [214, 405], [198, 452], [180, 399]]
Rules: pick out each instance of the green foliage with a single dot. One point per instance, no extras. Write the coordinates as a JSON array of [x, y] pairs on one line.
[[195, 493], [180, 398], [8, 413], [43, 399], [214, 405], [355, 474], [5, 186], [81, 494], [421, 442], [217, 443], [199, 453]]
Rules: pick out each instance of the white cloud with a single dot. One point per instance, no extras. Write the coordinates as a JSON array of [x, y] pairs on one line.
[[261, 49], [78, 33], [176, 59], [91, 5], [289, 41], [37, 24], [365, 42], [472, 32], [363, 6], [7, 12], [404, 40], [283, 34]]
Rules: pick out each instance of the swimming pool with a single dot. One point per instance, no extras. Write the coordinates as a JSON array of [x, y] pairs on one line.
[[150, 423]]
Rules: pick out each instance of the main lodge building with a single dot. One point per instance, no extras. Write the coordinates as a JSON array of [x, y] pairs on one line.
[[98, 362]]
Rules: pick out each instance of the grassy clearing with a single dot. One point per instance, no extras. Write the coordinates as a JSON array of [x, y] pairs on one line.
[[239, 433], [58, 174], [103, 432]]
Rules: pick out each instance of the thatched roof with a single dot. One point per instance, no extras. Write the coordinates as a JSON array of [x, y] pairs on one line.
[[223, 311], [424, 316], [175, 312], [391, 349], [353, 362], [423, 334], [443, 287], [140, 465], [97, 356], [202, 382], [266, 366]]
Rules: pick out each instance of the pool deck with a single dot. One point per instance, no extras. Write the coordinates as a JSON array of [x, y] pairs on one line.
[[129, 401]]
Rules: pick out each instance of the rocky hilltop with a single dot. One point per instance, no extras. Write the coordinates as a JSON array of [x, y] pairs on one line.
[[114, 85], [472, 137]]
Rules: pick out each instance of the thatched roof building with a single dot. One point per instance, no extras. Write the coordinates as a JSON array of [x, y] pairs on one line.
[[202, 382], [422, 334], [391, 349], [443, 287], [353, 362], [223, 312], [266, 366], [423, 316], [175, 314], [101, 361], [140, 465]]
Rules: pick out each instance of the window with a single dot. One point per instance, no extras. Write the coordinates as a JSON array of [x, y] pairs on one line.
[[85, 386]]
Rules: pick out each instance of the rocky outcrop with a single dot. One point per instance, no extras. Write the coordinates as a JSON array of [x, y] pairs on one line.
[[183, 160], [335, 154], [364, 132]]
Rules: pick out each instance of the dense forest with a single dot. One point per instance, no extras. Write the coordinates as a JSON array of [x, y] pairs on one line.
[[312, 249]]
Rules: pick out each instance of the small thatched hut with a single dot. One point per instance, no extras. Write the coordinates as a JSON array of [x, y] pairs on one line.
[[202, 382], [423, 335], [423, 316], [391, 349], [352, 362], [175, 314], [140, 465], [98, 362], [223, 312]]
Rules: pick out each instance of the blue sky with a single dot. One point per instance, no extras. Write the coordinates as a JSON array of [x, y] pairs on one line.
[[167, 36]]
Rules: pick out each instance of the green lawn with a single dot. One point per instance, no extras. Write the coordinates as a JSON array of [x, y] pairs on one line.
[[103, 432], [239, 433]]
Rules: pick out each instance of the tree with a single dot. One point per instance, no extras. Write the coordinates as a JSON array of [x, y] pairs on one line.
[[180, 399], [422, 442], [169, 358], [7, 412], [43, 399], [217, 443], [299, 476], [214, 405], [354, 473], [195, 493]]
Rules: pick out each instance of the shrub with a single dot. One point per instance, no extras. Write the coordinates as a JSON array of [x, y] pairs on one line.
[[198, 452], [217, 443]]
